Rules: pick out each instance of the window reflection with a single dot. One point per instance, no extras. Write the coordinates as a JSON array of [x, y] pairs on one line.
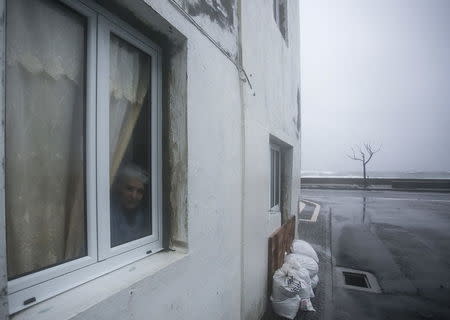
[[45, 136], [129, 132], [129, 212]]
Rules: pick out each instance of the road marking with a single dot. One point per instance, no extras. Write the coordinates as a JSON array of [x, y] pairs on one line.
[[302, 206], [316, 210], [431, 200]]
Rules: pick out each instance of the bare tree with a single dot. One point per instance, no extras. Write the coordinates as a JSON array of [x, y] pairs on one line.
[[364, 154]]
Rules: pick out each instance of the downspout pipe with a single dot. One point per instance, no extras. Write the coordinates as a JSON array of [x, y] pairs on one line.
[[242, 78]]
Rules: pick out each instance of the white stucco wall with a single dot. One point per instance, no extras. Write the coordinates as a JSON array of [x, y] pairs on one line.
[[223, 14], [204, 284], [270, 109]]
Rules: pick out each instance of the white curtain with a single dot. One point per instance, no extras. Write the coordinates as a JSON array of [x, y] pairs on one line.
[[44, 135], [45, 100], [129, 88]]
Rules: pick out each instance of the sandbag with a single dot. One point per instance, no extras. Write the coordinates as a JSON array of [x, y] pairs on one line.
[[288, 282], [306, 305], [281, 287], [298, 261], [287, 308], [303, 247], [314, 281], [305, 282]]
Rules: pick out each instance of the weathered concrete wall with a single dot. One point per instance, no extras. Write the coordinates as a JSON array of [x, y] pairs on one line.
[[205, 284], [3, 273], [211, 117], [218, 18], [271, 110], [176, 148]]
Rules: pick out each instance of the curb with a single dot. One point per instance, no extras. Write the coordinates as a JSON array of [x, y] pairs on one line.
[[325, 187]]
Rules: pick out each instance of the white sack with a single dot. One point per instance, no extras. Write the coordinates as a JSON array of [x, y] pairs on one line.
[[298, 261], [280, 288], [287, 308], [314, 281], [305, 281], [303, 247], [306, 305], [288, 282]]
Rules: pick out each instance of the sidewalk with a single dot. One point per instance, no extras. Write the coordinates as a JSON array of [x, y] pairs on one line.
[[318, 235], [378, 184], [330, 186]]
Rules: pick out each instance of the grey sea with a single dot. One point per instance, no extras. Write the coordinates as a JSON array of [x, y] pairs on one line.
[[378, 174]]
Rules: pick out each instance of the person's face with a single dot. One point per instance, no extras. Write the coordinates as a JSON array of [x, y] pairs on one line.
[[131, 192]]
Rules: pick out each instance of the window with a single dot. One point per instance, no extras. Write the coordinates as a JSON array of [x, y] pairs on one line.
[[83, 147], [275, 177], [280, 16]]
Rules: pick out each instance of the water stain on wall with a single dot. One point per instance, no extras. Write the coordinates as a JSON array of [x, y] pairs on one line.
[[219, 11]]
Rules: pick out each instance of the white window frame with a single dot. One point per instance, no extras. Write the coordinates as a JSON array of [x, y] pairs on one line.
[[275, 175], [101, 258], [105, 28]]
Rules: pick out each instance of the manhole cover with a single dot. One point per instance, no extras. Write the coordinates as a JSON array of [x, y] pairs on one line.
[[356, 279]]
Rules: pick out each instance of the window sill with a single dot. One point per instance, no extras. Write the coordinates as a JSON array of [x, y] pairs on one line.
[[70, 303]]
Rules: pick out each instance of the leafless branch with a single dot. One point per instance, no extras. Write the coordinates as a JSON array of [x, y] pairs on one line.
[[353, 156], [366, 152], [370, 151], [363, 156]]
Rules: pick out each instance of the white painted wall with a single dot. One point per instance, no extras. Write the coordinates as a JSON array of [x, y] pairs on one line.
[[270, 109], [206, 284], [223, 274]]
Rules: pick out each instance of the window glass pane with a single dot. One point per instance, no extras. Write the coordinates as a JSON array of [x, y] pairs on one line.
[[275, 10], [272, 199], [277, 178], [45, 136], [129, 142]]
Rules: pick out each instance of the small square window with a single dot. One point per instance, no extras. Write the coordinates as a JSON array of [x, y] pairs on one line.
[[275, 177]]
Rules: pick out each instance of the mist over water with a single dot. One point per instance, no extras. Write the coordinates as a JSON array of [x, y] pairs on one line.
[[377, 174], [379, 72]]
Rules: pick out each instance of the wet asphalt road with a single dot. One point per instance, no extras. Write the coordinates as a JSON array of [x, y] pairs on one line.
[[402, 238]]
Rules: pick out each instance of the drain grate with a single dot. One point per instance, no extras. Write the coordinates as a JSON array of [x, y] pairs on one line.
[[356, 279]]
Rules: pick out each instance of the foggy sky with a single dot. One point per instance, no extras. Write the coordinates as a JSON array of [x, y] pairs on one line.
[[378, 71]]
